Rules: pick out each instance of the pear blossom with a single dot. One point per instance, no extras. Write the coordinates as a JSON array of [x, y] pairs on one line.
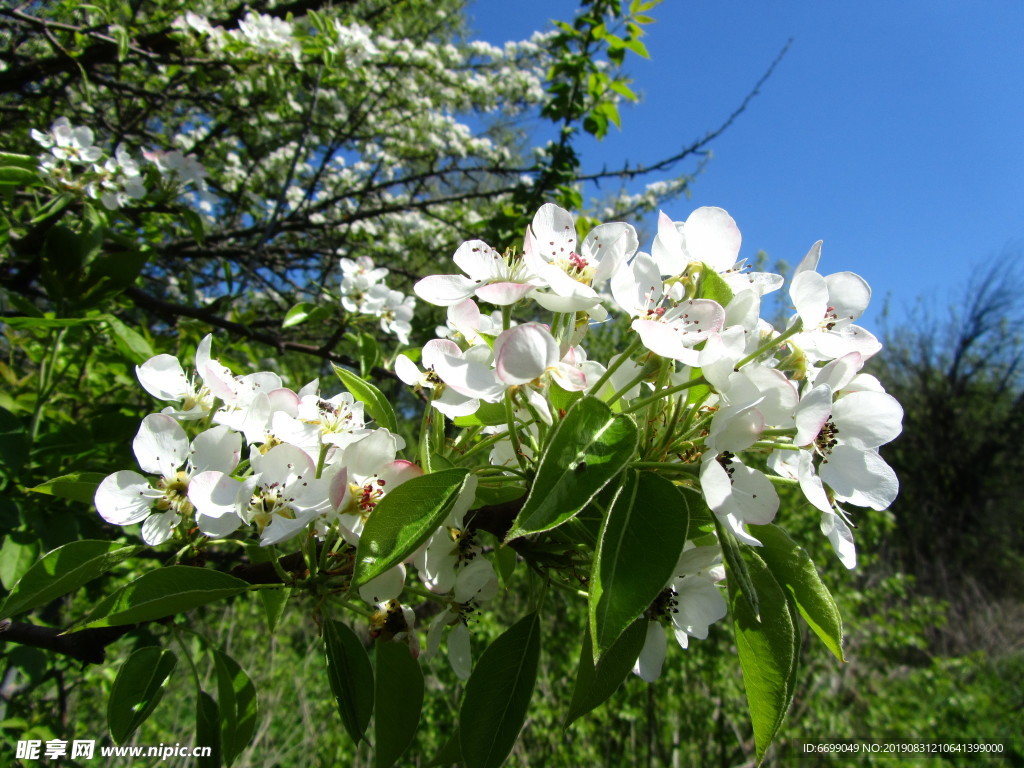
[[164, 378], [162, 449], [491, 277]]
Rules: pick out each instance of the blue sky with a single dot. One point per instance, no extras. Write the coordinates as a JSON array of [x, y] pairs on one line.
[[892, 131]]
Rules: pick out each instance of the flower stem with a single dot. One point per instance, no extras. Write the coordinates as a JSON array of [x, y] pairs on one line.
[[636, 406], [771, 344]]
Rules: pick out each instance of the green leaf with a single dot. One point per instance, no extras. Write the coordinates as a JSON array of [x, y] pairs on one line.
[[505, 560], [77, 486], [713, 286], [794, 570], [208, 729], [63, 570], [404, 519], [130, 342], [372, 398], [137, 690], [14, 443], [298, 314], [398, 699], [487, 415], [368, 352], [163, 592], [596, 684], [52, 322], [236, 702], [19, 551], [767, 646], [587, 449], [13, 176], [351, 677], [498, 694], [637, 552], [19, 161], [274, 601], [736, 568]]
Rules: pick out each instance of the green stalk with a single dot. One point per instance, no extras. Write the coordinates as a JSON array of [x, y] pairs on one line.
[[665, 393], [633, 347], [777, 341]]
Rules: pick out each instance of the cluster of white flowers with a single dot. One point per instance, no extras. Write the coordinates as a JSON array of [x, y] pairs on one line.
[[74, 163], [363, 292], [796, 395]]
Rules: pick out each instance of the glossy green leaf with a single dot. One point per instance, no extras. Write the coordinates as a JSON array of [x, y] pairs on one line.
[[398, 699], [351, 677], [637, 552], [373, 400], [298, 314], [163, 592], [77, 486], [596, 684], [404, 519], [794, 570], [589, 447], [10, 159], [767, 646], [236, 702], [63, 570], [368, 352], [487, 415], [137, 690], [498, 695], [208, 729]]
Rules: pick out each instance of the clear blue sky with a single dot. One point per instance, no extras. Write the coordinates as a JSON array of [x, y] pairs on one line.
[[893, 131]]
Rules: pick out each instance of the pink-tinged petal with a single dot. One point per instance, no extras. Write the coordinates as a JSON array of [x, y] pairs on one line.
[[161, 445], [445, 290], [860, 477], [284, 464], [398, 472], [124, 498], [652, 655], [582, 300], [848, 295], [162, 376], [460, 654], [470, 378], [841, 538], [809, 293], [570, 377], [218, 448], [385, 587], [435, 349], [812, 413], [840, 371], [503, 294], [523, 353], [284, 400], [554, 233], [809, 263], [464, 316], [711, 236], [659, 338], [867, 419], [697, 319], [478, 260], [159, 527]]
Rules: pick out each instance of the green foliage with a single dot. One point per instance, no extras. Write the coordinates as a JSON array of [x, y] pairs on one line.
[[137, 690]]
